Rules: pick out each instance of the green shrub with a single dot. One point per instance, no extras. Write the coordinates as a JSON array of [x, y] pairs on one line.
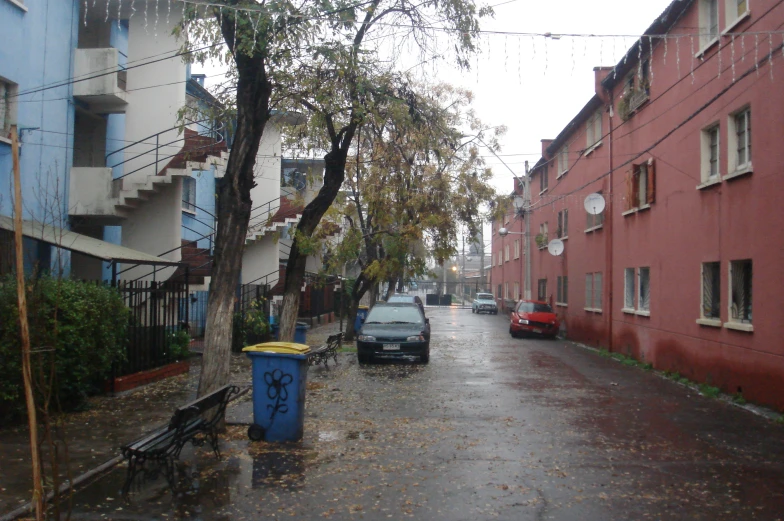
[[709, 391], [81, 324], [178, 345]]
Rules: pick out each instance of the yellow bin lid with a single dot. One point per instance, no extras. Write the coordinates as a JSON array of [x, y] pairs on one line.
[[287, 348], [362, 307]]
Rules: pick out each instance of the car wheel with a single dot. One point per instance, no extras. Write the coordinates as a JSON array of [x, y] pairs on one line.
[[364, 358], [425, 358], [473, 310]]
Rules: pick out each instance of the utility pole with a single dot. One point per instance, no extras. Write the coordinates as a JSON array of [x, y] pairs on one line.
[[527, 236], [24, 331], [462, 276]]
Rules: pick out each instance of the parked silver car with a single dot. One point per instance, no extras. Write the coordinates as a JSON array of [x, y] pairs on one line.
[[484, 303]]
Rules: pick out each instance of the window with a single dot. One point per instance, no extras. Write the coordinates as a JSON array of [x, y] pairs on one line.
[[542, 238], [711, 290], [517, 249], [498, 292], [594, 221], [644, 293], [506, 253], [629, 289], [740, 291], [563, 161], [709, 21], [517, 290], [734, 10], [593, 130], [593, 291], [189, 194], [7, 107], [710, 153], [562, 295], [506, 287], [563, 224], [541, 289], [641, 186], [739, 147], [543, 180]]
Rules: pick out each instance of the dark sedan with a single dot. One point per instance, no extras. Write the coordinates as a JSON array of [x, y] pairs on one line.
[[392, 331]]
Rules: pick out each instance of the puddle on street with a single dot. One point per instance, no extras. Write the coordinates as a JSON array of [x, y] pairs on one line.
[[360, 435]]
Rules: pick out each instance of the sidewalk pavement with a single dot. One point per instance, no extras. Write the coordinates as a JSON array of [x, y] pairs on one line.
[[96, 435]]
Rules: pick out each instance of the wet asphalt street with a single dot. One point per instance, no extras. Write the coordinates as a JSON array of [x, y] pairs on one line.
[[492, 428]]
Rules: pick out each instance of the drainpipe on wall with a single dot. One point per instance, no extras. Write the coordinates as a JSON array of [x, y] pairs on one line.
[[611, 214]]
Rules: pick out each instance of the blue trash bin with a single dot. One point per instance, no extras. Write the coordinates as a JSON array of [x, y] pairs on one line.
[[279, 375], [300, 333], [362, 313]]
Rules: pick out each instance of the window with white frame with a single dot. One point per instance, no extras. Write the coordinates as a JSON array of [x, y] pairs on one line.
[[517, 249], [739, 146], [563, 160], [8, 105], [541, 293], [629, 289], [594, 221], [542, 238], [498, 292], [593, 291], [562, 294], [710, 153], [563, 224], [543, 179], [711, 290], [709, 21], [740, 291], [506, 253], [644, 289], [506, 286], [500, 258], [735, 9], [593, 129], [189, 194], [516, 290]]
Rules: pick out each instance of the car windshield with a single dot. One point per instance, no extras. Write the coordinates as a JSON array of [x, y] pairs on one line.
[[484, 296], [394, 315], [534, 307]]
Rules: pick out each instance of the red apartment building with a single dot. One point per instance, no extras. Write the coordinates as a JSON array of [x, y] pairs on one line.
[[684, 138]]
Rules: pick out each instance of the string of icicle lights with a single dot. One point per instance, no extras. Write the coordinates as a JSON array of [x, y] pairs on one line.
[[537, 41]]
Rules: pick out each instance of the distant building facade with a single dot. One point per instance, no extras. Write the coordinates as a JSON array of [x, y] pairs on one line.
[[683, 267]]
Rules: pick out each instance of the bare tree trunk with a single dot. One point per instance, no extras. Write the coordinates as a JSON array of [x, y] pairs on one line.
[[234, 208], [391, 283], [24, 333], [334, 173], [361, 287]]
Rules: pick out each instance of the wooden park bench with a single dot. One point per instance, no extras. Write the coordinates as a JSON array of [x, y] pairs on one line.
[[196, 422], [324, 352]]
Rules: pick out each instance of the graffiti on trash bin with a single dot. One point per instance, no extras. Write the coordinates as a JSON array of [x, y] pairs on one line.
[[277, 381]]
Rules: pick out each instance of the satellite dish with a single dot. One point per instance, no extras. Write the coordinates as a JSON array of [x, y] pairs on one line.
[[594, 204], [555, 247]]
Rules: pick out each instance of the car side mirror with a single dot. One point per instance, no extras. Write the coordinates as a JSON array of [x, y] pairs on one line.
[[427, 321]]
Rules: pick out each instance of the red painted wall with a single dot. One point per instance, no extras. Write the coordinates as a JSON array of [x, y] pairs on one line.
[[685, 226]]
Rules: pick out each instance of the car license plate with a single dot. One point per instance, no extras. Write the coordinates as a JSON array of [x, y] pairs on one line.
[[391, 347], [537, 330]]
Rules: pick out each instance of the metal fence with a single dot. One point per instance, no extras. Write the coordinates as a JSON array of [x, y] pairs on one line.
[[435, 293], [157, 314], [316, 301]]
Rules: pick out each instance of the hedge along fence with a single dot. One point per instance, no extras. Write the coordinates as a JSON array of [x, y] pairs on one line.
[[81, 324]]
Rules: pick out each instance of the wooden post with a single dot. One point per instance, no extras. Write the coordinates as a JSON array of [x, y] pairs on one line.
[[24, 332]]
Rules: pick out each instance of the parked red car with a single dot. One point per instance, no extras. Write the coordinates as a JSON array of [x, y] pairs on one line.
[[533, 317]]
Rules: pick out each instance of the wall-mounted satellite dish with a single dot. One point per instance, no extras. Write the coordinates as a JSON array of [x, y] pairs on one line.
[[555, 247], [594, 204]]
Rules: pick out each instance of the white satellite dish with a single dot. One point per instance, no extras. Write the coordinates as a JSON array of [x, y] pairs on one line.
[[594, 204], [555, 247]]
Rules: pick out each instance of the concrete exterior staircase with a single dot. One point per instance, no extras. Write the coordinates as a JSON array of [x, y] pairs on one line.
[[199, 261], [287, 213]]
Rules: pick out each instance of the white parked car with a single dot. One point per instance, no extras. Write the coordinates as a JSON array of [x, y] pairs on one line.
[[484, 303]]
